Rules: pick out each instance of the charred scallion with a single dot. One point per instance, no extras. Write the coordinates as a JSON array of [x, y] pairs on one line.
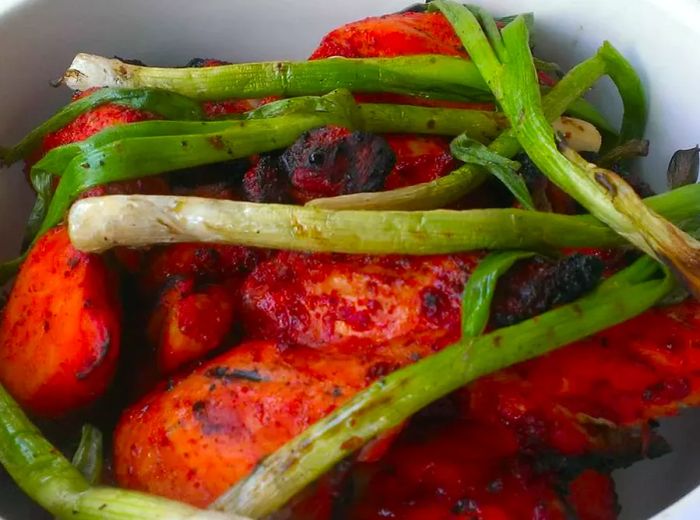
[[431, 76], [99, 223]]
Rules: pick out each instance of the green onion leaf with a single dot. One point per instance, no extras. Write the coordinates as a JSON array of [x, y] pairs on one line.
[[480, 288], [88, 458], [472, 152]]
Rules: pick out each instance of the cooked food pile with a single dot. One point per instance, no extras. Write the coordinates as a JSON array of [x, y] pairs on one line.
[[415, 276]]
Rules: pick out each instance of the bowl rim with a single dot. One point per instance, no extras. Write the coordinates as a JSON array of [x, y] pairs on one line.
[[685, 12]]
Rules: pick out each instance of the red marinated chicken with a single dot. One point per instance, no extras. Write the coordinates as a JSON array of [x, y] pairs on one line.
[[251, 400], [322, 300], [60, 330], [451, 468]]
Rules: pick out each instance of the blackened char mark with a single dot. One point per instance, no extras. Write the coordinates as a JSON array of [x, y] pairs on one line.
[[535, 286], [230, 374], [266, 181], [331, 161], [100, 354]]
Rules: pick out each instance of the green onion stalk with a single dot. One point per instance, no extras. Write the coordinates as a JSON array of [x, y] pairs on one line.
[[88, 458], [372, 117], [99, 223], [394, 398], [60, 488], [507, 66], [432, 76]]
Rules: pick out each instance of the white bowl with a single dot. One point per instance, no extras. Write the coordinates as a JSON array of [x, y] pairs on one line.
[[38, 38]]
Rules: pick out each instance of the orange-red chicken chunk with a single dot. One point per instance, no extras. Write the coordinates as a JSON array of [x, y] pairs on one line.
[[60, 330]]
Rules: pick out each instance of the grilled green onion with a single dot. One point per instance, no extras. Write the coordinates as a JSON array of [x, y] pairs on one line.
[[432, 76], [99, 223]]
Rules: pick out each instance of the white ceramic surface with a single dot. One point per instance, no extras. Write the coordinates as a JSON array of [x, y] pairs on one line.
[[39, 37]]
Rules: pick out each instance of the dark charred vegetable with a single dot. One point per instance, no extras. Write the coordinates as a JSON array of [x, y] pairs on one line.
[[684, 168], [629, 150]]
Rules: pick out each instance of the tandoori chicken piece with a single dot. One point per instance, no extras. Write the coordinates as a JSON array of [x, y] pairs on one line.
[[208, 429], [205, 263], [447, 469], [60, 329], [190, 321], [320, 300], [392, 35], [645, 368], [194, 290]]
